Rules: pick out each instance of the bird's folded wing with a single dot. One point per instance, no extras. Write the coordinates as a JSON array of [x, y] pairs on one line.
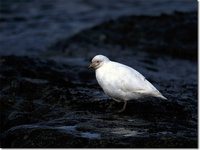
[[129, 80]]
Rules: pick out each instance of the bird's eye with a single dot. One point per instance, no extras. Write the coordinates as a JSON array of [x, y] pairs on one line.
[[97, 61]]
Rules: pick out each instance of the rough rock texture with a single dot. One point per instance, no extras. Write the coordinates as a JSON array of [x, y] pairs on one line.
[[175, 35], [54, 100], [43, 106]]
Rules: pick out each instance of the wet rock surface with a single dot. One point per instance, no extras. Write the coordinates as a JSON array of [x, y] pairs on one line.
[[47, 104], [53, 100]]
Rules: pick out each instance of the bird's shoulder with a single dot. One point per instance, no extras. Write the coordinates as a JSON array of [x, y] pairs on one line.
[[124, 70]]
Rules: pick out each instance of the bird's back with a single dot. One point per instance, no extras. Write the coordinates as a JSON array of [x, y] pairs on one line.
[[124, 80]]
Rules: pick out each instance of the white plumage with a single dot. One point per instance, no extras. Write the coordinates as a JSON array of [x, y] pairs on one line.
[[121, 82]]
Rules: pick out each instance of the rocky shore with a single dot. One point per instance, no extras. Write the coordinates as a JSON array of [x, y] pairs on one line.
[[53, 99]]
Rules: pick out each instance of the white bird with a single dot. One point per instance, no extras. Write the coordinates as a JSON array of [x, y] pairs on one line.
[[121, 82]]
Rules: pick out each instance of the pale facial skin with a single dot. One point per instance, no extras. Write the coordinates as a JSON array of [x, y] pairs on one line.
[[98, 61], [95, 64]]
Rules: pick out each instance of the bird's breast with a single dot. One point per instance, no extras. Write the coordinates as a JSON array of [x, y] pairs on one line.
[[107, 81]]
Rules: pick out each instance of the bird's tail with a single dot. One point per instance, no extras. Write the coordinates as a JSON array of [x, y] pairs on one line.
[[161, 96]]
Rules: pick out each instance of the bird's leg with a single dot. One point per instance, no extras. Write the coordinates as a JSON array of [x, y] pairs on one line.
[[124, 107], [110, 105]]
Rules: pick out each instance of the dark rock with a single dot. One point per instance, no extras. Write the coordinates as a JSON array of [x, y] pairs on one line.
[[44, 111], [175, 35]]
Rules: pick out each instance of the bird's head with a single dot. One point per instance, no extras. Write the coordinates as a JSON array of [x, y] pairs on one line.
[[98, 61]]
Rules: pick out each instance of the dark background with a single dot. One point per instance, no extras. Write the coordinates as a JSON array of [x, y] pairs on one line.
[[30, 26], [48, 96]]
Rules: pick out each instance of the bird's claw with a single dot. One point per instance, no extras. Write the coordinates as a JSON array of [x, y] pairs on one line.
[[120, 111]]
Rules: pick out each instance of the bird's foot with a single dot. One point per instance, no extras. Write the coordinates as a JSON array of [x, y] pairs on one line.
[[124, 107], [110, 105], [121, 110]]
